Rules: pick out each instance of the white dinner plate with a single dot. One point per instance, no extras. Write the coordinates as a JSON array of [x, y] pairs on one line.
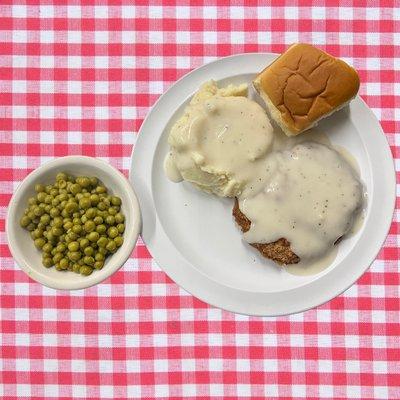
[[192, 235]]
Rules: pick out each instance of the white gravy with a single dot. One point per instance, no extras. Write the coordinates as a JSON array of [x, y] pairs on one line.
[[310, 199], [220, 146]]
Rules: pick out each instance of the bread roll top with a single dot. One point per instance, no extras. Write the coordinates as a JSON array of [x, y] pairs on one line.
[[305, 84]]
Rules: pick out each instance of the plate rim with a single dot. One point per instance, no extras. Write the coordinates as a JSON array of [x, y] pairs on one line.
[[230, 303]]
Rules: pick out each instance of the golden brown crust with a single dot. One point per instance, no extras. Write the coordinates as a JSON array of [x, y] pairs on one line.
[[278, 251], [305, 84]]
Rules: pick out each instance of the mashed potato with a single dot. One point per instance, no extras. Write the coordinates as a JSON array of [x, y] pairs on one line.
[[219, 141]]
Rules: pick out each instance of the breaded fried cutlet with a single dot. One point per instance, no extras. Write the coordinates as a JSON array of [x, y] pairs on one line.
[[278, 251]]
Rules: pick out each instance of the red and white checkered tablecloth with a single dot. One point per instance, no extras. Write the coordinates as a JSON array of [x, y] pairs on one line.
[[79, 80]]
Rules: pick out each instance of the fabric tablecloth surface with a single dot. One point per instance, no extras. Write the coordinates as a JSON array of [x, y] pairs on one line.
[[79, 79]]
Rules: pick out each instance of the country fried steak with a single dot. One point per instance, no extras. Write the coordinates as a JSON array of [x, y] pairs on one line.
[[278, 251]]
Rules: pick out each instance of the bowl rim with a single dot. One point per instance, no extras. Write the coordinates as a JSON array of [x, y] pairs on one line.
[[116, 261]]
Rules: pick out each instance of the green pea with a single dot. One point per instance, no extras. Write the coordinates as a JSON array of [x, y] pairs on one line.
[[38, 233], [88, 251], [101, 206], [112, 211], [74, 255], [98, 220], [47, 262], [47, 208], [119, 218], [93, 236], [54, 212], [111, 246], [56, 231], [110, 220], [48, 199], [54, 251], [84, 219], [83, 181], [58, 222], [75, 188], [39, 188], [38, 211], [57, 257], [50, 236], [77, 229], [61, 247], [41, 196], [32, 201], [57, 267], [102, 242], [76, 268], [101, 189], [71, 236], [84, 203], [48, 188], [115, 201], [90, 213], [119, 240], [73, 246], [71, 207], [64, 213], [79, 196], [63, 196], [68, 225], [30, 227], [55, 202], [31, 215], [39, 242], [45, 219], [101, 229], [86, 270], [24, 221], [32, 235], [53, 192], [99, 257], [62, 183], [102, 250], [121, 228], [84, 243], [94, 181], [112, 232], [88, 260], [47, 248], [106, 201], [63, 263], [89, 226], [94, 199], [98, 264], [61, 176]]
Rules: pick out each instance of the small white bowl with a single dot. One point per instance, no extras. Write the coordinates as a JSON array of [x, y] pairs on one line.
[[21, 244]]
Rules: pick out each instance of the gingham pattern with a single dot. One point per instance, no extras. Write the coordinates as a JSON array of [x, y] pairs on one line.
[[79, 80]]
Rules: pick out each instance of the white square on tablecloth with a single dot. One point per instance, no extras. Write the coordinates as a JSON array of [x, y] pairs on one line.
[[22, 364], [101, 37], [19, 36], [46, 36], [74, 37], [46, 11]]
